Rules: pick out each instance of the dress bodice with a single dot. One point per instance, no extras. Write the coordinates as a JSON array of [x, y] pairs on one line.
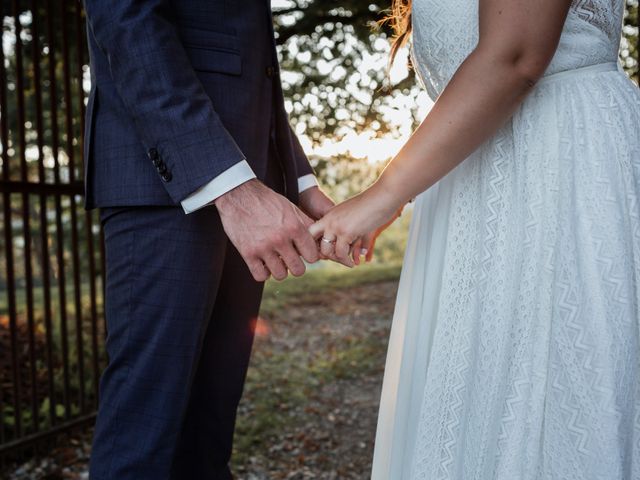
[[446, 31]]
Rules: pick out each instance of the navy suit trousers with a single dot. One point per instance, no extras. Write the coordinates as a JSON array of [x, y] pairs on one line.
[[181, 308]]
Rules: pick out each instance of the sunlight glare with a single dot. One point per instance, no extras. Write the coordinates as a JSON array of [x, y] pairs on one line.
[[361, 145]]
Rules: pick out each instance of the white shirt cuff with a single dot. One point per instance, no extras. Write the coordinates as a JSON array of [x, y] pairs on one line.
[[240, 173], [306, 182]]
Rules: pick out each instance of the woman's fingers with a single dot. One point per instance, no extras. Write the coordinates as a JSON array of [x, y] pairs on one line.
[[368, 242], [343, 248], [327, 245], [355, 251], [369, 246], [316, 229], [334, 247], [360, 249]]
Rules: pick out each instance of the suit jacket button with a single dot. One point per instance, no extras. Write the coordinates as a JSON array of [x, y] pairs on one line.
[[162, 168], [271, 71], [153, 154], [166, 176]]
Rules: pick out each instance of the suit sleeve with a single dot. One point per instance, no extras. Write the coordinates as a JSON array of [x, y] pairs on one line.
[[175, 119], [302, 161]]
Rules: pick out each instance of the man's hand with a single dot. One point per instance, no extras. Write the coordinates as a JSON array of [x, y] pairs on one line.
[[269, 231], [315, 203]]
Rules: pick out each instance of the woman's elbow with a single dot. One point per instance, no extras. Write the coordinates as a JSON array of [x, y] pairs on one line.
[[522, 64], [530, 66]]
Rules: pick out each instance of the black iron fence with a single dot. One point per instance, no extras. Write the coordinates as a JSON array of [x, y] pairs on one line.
[[51, 304], [51, 255]]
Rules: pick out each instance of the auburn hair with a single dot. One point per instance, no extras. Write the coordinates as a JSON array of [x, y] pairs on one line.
[[400, 20]]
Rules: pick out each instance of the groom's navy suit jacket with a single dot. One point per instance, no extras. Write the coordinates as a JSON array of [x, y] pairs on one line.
[[181, 91]]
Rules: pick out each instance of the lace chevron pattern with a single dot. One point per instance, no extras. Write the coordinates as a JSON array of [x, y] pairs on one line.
[[445, 32], [533, 369]]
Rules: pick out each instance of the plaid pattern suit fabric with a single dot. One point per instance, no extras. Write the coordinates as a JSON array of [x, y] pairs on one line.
[[181, 308], [181, 91]]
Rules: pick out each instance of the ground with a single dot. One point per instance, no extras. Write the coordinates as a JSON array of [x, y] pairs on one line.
[[311, 398]]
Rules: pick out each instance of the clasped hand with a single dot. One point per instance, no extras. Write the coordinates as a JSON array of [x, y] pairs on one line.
[[274, 236], [350, 229]]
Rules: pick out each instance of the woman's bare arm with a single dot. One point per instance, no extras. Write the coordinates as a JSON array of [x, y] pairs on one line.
[[517, 41]]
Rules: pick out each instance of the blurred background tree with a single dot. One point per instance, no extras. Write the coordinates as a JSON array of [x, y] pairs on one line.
[[630, 48], [334, 55]]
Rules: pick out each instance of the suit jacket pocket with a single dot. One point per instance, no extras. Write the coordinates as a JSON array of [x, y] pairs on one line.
[[211, 51]]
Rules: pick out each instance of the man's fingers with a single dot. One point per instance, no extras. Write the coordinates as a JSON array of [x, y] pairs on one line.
[[306, 246], [276, 266], [292, 260], [258, 270]]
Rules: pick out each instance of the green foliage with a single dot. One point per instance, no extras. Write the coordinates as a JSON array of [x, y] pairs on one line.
[[323, 43], [331, 88], [41, 36], [342, 177], [47, 406], [630, 48]]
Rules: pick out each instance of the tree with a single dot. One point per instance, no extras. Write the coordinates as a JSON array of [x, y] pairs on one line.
[[334, 55], [630, 51], [330, 88]]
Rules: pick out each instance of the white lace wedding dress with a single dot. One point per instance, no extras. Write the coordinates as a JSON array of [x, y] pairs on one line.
[[515, 347]]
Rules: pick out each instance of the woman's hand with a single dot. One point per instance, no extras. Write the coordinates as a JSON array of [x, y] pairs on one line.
[[351, 228], [365, 245]]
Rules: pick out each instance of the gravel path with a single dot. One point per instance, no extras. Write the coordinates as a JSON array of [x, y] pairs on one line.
[[311, 399]]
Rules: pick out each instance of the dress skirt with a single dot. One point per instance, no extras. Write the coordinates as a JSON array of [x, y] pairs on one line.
[[515, 348]]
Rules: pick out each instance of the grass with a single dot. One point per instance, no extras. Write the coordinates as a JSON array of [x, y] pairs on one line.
[[279, 388], [44, 401], [38, 298], [310, 287], [281, 384]]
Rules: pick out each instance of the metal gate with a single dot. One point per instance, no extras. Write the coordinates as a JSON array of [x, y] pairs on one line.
[[51, 256]]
